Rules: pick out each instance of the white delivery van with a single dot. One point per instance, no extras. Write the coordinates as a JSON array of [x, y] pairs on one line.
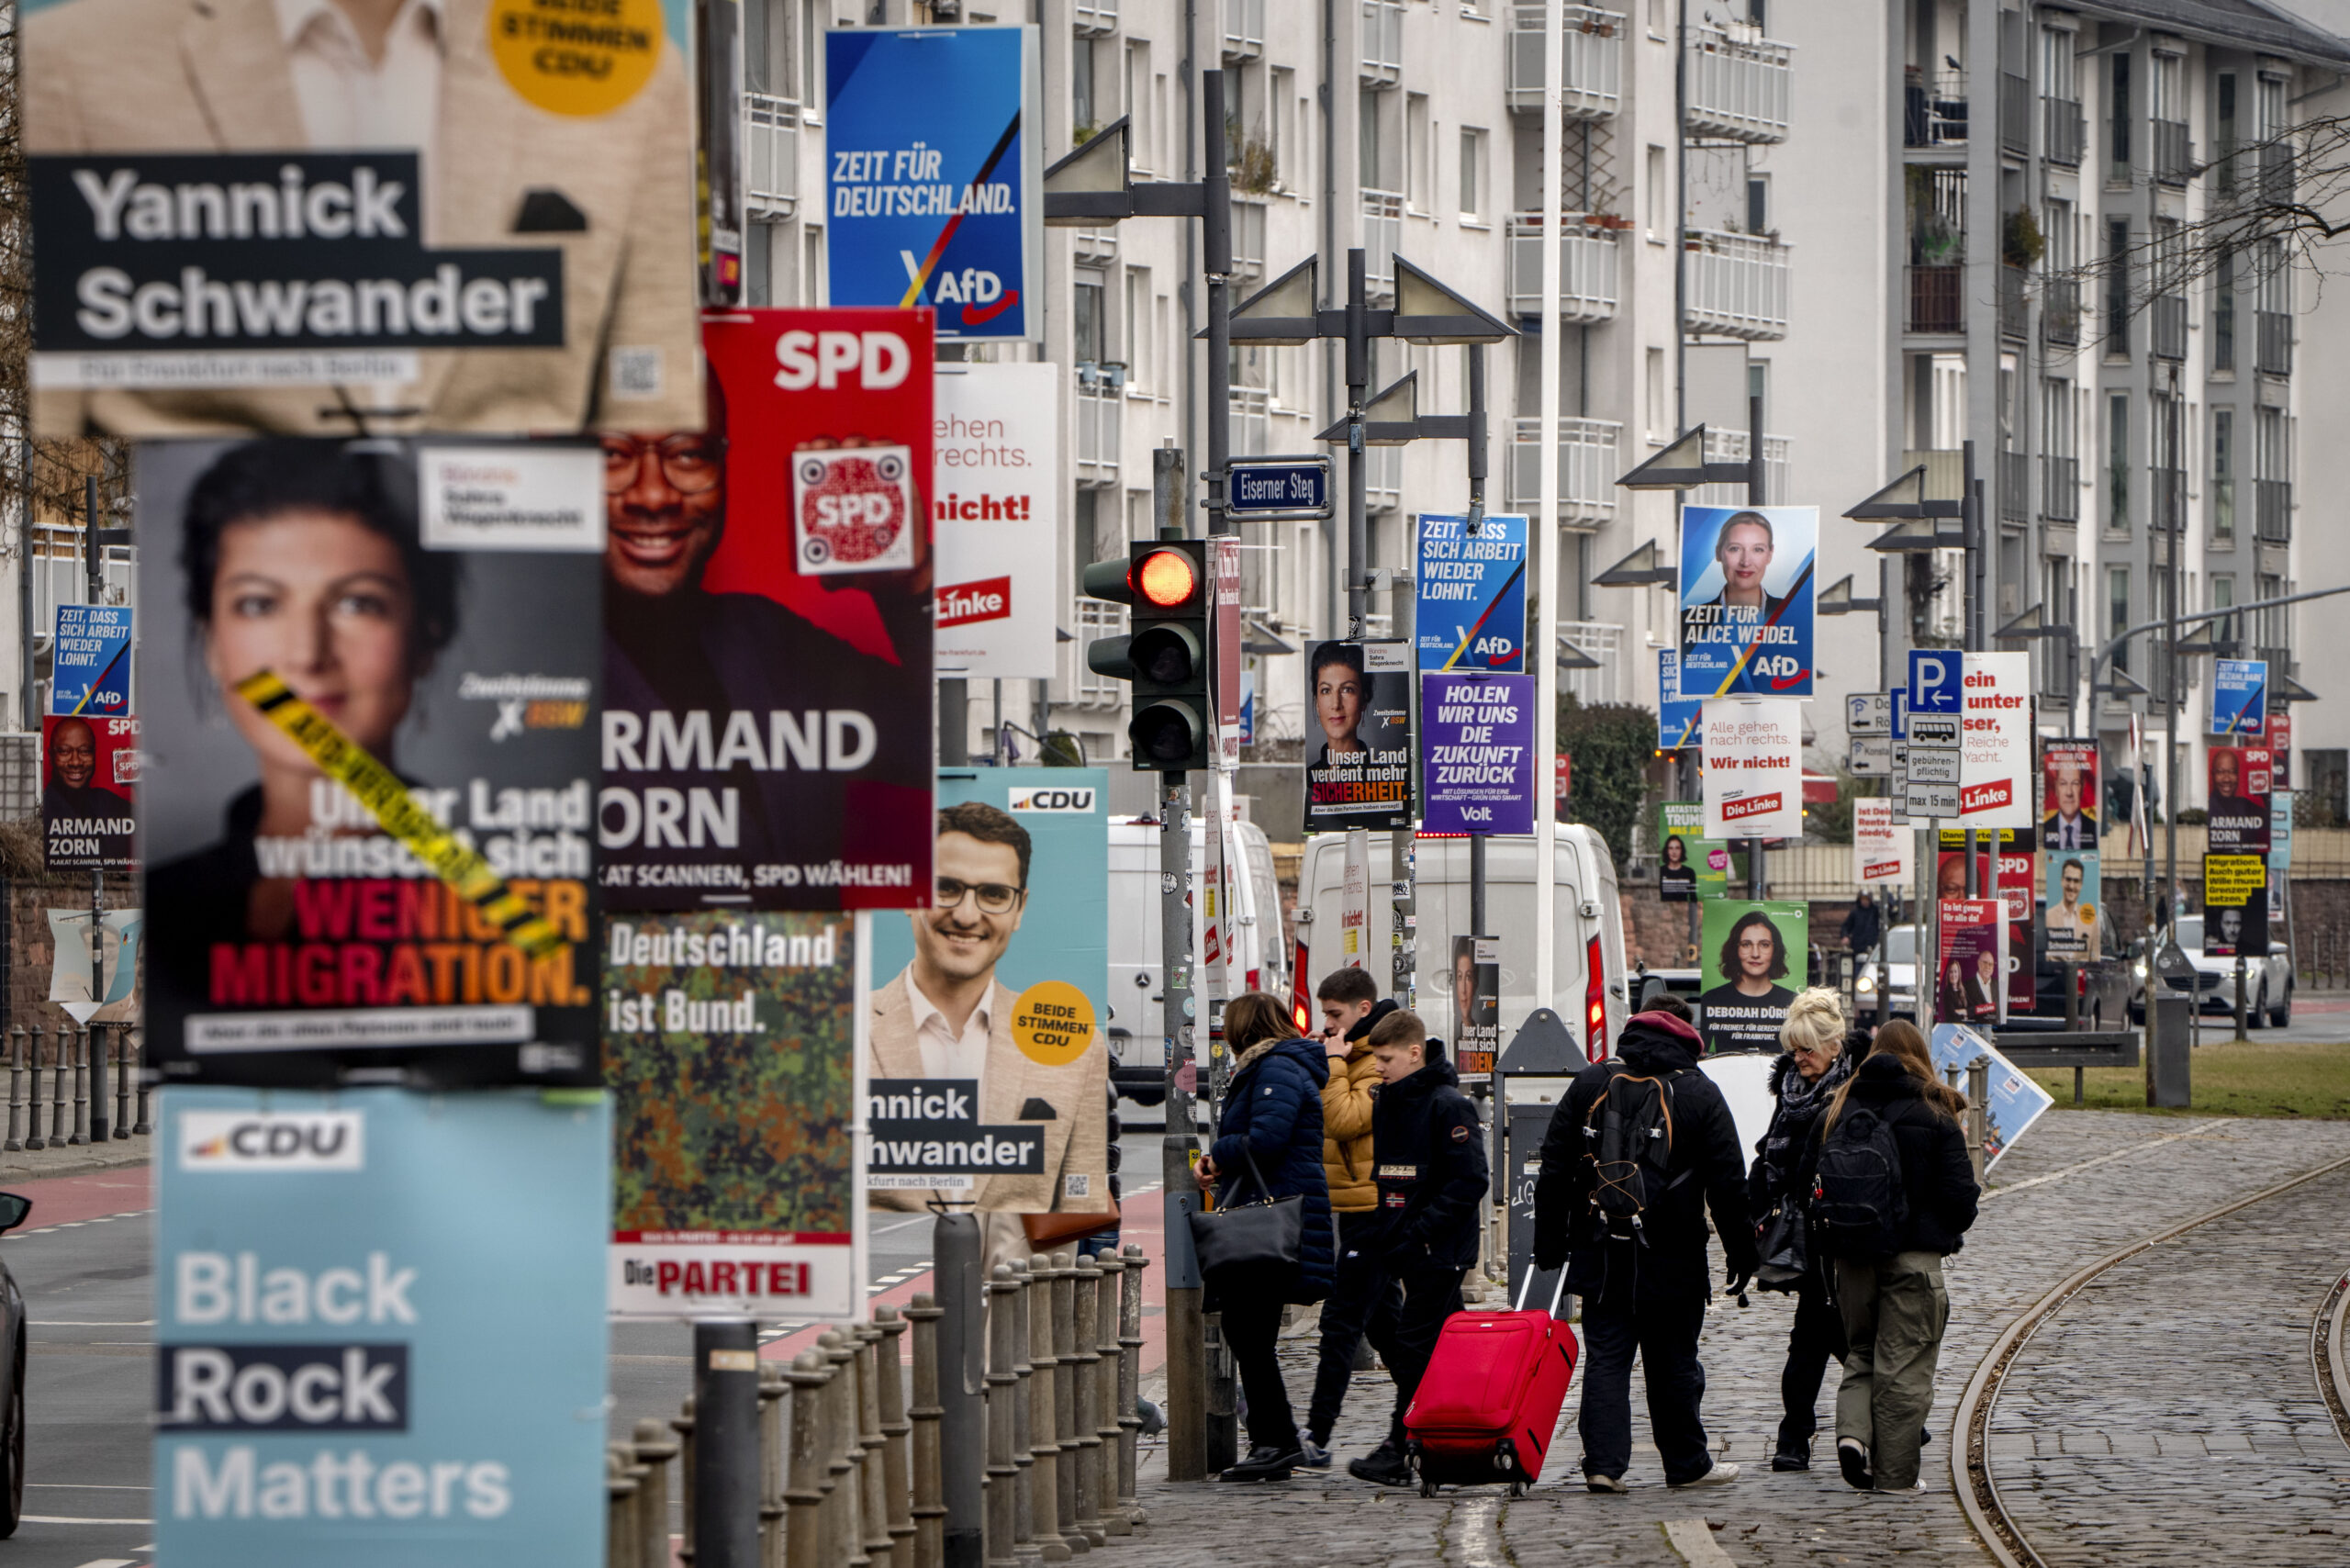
[[1587, 963], [1259, 952]]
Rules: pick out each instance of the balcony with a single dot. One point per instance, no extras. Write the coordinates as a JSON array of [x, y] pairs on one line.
[[2168, 498], [2168, 316], [1934, 109], [1244, 29], [770, 156], [1252, 421], [2014, 319], [1382, 42], [2174, 155], [1945, 469], [2015, 487], [1587, 268], [1383, 478], [1383, 226], [1093, 18], [2060, 311], [2060, 489], [1937, 300], [1097, 244], [2275, 332], [1101, 398], [1738, 284], [1247, 239], [2015, 114], [1605, 644], [1731, 446], [2063, 131], [1737, 88], [2273, 510], [1588, 463], [1594, 67]]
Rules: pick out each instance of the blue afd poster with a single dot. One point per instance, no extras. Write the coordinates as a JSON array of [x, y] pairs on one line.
[[1747, 581], [1472, 612], [380, 1330], [93, 661], [1677, 714], [935, 176], [2239, 696]]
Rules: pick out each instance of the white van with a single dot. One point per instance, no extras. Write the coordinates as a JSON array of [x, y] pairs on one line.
[[1260, 951], [1587, 964]]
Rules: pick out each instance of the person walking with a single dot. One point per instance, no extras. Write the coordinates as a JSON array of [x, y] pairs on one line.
[[1430, 1155], [1362, 1299], [1893, 1195], [1817, 1063], [1269, 1145], [1862, 925], [1641, 1146]]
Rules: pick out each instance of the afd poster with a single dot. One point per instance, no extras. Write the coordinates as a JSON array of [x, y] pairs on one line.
[[1472, 609], [2235, 906], [2015, 1102], [936, 175], [1359, 774], [987, 1058], [1752, 957], [368, 808], [91, 659], [89, 781], [1477, 753], [1678, 714], [1747, 585], [731, 1051], [1689, 865], [496, 238], [2240, 698], [767, 725], [996, 512], [380, 1331]]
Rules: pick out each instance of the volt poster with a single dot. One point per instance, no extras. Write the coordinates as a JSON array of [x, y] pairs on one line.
[[995, 516], [935, 176], [1748, 577], [1472, 610], [1477, 753]]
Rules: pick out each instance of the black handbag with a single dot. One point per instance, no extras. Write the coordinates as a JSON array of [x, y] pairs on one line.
[[1269, 1233], [1785, 1249]]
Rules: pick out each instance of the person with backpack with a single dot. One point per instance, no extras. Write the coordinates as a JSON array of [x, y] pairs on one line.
[[1892, 1195], [1820, 1055], [1430, 1153], [1642, 1146], [1362, 1299], [1269, 1146]]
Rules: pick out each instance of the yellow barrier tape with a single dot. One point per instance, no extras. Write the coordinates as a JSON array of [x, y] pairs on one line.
[[380, 791]]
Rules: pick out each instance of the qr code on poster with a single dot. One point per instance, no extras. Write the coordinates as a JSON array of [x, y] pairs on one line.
[[636, 374], [1076, 1185]]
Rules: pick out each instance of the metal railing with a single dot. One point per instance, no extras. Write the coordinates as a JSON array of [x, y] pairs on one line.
[[1593, 68], [1092, 19], [2015, 113], [2014, 317], [1100, 412], [2274, 333], [1252, 421], [1738, 284], [1244, 29], [1604, 643], [2015, 487], [1737, 88], [2060, 488], [1937, 299], [2174, 155], [1731, 446], [1382, 42], [1934, 109], [1587, 268], [1589, 461], [770, 156], [2273, 510], [2060, 311], [2168, 315], [2064, 131], [1383, 226]]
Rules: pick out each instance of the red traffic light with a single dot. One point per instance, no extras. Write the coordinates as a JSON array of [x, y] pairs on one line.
[[1164, 578]]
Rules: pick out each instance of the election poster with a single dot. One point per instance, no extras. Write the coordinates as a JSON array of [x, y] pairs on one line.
[[90, 660], [731, 1054], [1472, 609], [1476, 1005], [110, 992], [2076, 907], [2279, 736], [2069, 795], [1971, 961], [1359, 773], [767, 725], [1477, 753], [2240, 699], [1753, 769], [996, 514], [380, 1328], [2014, 1102], [1881, 852], [1689, 865], [1995, 742], [1678, 714], [2236, 905], [1747, 585], [1753, 957], [89, 787], [2238, 784], [368, 814], [988, 1061], [496, 238], [935, 175]]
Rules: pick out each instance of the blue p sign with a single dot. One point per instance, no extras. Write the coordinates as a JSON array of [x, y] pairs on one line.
[[1934, 680]]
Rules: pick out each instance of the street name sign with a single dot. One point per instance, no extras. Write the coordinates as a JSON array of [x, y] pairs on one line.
[[1276, 490]]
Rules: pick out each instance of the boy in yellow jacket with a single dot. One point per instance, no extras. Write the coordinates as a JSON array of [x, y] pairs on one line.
[[1363, 1300]]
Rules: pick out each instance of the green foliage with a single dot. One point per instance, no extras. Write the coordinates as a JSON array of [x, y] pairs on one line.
[[1612, 746], [2022, 245], [1062, 749]]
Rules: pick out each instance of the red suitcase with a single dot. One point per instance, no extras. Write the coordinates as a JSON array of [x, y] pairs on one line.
[[1487, 1406]]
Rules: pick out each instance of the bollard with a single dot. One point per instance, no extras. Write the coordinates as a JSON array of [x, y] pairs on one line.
[[620, 1524], [874, 1499], [803, 1495], [653, 1452], [1004, 1392], [36, 1140], [773, 1378], [1130, 1381], [1112, 1269], [78, 1053], [138, 1037], [848, 1455], [1045, 1448], [16, 1089], [120, 1120], [1023, 1393], [682, 1423], [726, 1486], [930, 1498], [894, 1427], [962, 1387], [1978, 1112], [1064, 1292], [1085, 1292]]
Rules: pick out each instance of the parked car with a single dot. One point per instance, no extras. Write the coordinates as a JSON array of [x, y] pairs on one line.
[[13, 1210], [2102, 984], [2267, 982]]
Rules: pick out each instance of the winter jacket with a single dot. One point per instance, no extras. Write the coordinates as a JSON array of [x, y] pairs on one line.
[[1433, 1178], [1800, 1106], [1937, 1178], [1346, 1119], [1862, 927], [1707, 1170], [1272, 1110]]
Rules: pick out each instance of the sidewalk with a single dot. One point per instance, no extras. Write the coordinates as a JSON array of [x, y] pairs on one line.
[[73, 1160]]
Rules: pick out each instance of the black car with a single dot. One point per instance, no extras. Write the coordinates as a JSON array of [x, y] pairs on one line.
[[2101, 984]]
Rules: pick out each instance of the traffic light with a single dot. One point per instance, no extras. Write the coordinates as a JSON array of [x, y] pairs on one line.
[[1165, 584]]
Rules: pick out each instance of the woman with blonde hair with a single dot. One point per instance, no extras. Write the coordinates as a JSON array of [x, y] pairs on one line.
[[1814, 1068], [1889, 1231]]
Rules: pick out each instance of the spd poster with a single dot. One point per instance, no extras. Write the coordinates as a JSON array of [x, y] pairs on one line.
[[2238, 784], [89, 773], [1472, 610], [1753, 957], [1971, 961], [1747, 584]]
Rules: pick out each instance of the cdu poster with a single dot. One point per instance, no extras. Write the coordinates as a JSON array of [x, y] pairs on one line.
[[1472, 609], [1747, 582]]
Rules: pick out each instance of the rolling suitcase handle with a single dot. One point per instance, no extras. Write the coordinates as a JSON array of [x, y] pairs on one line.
[[1556, 1295]]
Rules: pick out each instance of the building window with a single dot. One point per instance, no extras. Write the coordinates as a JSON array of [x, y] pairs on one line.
[[2223, 478], [2059, 76], [1660, 402], [1091, 346], [1472, 176], [1135, 87], [1282, 88], [2223, 310], [1758, 389], [815, 288], [2117, 597], [1758, 204], [1137, 325], [2117, 287], [2117, 462], [1419, 155], [2117, 129], [1660, 224], [811, 60], [2223, 130]]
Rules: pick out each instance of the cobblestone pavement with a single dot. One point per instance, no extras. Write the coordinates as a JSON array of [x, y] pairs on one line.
[[2091, 1454], [2081, 1184]]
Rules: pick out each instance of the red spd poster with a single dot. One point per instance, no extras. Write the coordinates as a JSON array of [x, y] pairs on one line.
[[89, 777]]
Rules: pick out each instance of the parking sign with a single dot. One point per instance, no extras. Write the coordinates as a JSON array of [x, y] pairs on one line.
[[1934, 680]]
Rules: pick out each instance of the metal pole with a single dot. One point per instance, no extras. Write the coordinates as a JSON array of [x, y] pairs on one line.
[[1186, 1329], [1971, 530], [727, 1443], [94, 563], [954, 1243], [1357, 453], [1757, 883], [27, 719], [1542, 528], [1477, 438], [2175, 532], [1215, 234]]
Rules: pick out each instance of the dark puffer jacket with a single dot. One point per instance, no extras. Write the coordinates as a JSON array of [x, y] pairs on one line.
[[1432, 1170], [1273, 1110], [1937, 1178], [1800, 1106]]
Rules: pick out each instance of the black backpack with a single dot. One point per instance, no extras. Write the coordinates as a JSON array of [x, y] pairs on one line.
[[1859, 1206], [1627, 1137]]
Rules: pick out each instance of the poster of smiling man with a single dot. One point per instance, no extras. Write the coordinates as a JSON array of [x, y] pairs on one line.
[[1747, 582]]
